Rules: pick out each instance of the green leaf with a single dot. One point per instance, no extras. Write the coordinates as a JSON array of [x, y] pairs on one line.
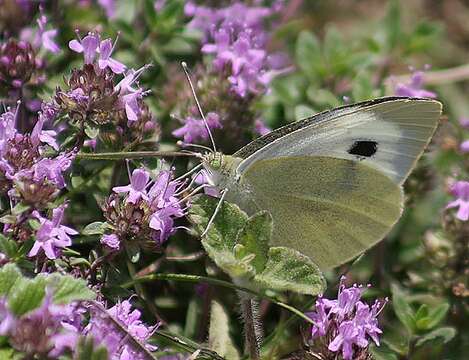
[[20, 208], [27, 295], [77, 181], [8, 247], [9, 275], [67, 289], [219, 338], [392, 24], [95, 228], [149, 13], [432, 317], [322, 97], [8, 219], [403, 310], [336, 54], [11, 354], [288, 269], [308, 54], [255, 237], [34, 224], [362, 86], [382, 353], [192, 316], [221, 238], [443, 334]]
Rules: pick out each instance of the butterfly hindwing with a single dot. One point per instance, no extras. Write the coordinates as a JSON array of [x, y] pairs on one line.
[[329, 209]]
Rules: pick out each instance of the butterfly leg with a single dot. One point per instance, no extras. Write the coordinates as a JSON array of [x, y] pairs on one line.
[[217, 209]]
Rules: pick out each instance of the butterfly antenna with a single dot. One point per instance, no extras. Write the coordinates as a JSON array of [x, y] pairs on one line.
[[186, 71], [182, 143]]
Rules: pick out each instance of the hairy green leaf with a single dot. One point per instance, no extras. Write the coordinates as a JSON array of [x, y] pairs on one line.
[[95, 228], [288, 269], [443, 334], [255, 237], [27, 295], [67, 289], [9, 276], [403, 309]]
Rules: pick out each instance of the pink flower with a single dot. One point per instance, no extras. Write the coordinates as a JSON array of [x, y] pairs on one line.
[[51, 235], [46, 37], [461, 191], [194, 130], [105, 50], [464, 146], [414, 88], [112, 241], [89, 46], [137, 187]]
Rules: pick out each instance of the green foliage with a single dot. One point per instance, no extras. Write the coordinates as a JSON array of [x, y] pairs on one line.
[[239, 246], [24, 294], [95, 228], [421, 325]]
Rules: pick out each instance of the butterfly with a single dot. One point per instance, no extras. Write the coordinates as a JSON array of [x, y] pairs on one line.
[[332, 182]]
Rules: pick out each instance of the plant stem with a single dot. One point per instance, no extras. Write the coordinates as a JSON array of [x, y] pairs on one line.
[[130, 155], [252, 326], [142, 293], [217, 282]]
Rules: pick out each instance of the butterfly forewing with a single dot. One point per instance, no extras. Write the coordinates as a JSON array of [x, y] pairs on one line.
[[388, 134]]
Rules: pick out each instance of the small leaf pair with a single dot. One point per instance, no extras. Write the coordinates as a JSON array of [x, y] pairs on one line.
[[239, 245]]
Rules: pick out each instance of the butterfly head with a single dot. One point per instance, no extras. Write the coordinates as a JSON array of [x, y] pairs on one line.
[[219, 168]]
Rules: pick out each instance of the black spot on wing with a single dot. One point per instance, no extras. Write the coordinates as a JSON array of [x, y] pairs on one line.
[[363, 148]]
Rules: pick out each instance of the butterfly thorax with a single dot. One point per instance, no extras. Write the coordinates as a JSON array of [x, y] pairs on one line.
[[221, 169]]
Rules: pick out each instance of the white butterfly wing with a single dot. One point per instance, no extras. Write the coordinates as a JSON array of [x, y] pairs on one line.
[[388, 134]]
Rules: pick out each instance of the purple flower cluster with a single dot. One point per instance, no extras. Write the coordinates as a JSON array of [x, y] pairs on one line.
[[45, 331], [105, 331], [27, 176], [91, 46], [94, 97], [146, 212], [235, 35], [194, 129], [346, 324], [414, 88], [53, 330]]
